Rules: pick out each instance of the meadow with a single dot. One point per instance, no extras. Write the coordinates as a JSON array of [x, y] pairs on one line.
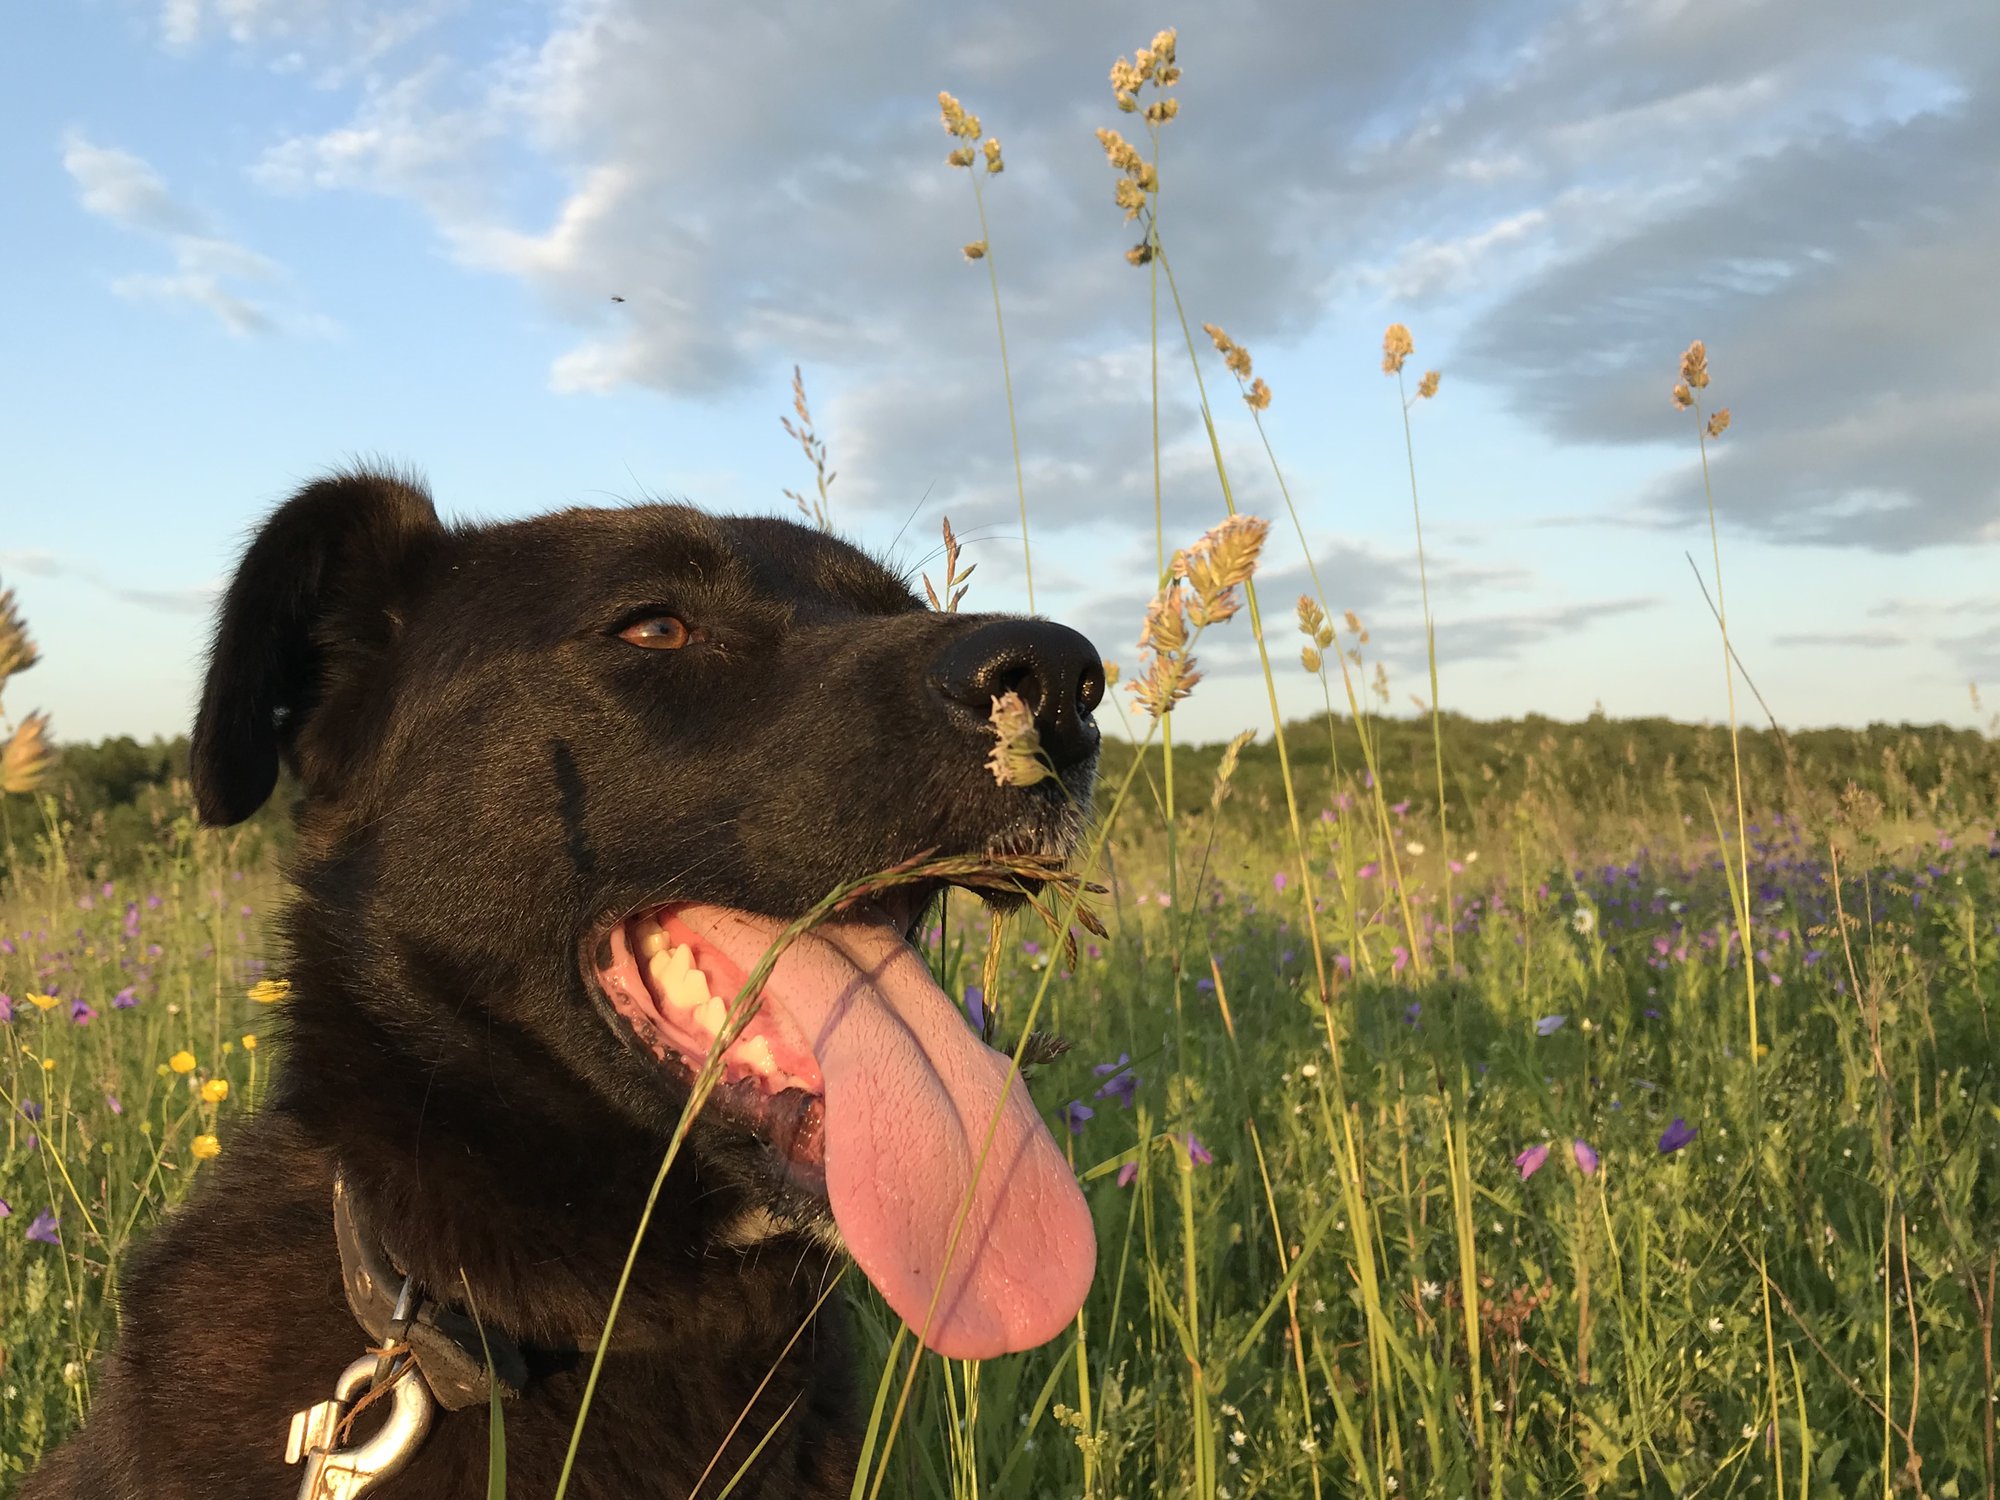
[[1465, 1109]]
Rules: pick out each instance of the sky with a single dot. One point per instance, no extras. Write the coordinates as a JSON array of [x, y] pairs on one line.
[[569, 253]]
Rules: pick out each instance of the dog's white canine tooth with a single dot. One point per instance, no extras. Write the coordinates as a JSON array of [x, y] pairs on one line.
[[678, 962]]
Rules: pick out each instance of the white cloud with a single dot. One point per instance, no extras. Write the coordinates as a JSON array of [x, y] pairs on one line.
[[124, 189]]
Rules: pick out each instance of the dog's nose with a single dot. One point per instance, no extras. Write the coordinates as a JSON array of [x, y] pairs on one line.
[[1056, 672]]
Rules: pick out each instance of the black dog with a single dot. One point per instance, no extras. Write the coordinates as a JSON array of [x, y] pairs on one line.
[[562, 780]]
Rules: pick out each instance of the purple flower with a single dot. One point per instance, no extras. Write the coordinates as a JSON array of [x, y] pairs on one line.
[[1399, 808], [6, 1209], [1368, 871], [1030, 947], [1550, 1025], [1676, 1135], [116, 1107], [81, 1012], [1278, 880], [6, 1007], [1399, 960], [1075, 1113], [1197, 1152], [30, 1110], [1412, 1012], [975, 1007], [1586, 1156], [1530, 1161], [1121, 1082], [1127, 1172], [42, 1230], [126, 998]]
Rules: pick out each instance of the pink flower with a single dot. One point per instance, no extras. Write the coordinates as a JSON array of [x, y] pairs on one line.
[[1530, 1161], [1586, 1156]]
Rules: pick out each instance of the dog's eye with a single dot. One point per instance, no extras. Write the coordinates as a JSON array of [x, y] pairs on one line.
[[657, 633]]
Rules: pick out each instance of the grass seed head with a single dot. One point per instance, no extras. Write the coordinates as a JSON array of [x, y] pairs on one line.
[[27, 758], [17, 651], [991, 150], [1259, 395], [956, 121], [1016, 759], [1428, 386], [1683, 397], [1719, 423], [976, 250], [1396, 347], [1694, 366]]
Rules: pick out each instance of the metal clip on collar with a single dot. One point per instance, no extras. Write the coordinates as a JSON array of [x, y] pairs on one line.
[[345, 1473]]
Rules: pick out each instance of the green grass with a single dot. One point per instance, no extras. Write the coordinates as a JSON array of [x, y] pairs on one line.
[[1617, 1331]]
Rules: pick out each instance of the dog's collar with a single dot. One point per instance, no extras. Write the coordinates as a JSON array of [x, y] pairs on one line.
[[445, 1342]]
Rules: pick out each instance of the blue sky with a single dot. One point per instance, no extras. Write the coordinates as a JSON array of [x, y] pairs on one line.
[[250, 239]]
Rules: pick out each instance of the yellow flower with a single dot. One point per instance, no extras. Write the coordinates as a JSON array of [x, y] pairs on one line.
[[41, 1002], [182, 1061], [270, 991], [161, 1070], [215, 1090], [205, 1148], [227, 1048], [249, 1041], [48, 1065]]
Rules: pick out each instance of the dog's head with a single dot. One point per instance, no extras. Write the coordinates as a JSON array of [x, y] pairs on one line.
[[569, 777]]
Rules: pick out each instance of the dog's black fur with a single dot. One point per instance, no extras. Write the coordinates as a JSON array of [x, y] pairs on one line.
[[490, 774]]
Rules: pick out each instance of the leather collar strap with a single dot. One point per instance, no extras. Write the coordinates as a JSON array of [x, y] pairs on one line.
[[444, 1341]]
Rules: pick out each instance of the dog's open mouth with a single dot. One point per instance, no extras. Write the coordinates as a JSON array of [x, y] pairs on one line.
[[861, 1073]]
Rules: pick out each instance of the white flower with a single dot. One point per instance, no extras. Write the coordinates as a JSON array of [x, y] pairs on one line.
[[1310, 1070], [1233, 1456], [1749, 1429], [1238, 1438], [1430, 1291], [1413, 847], [1715, 1325], [1472, 856], [1584, 920]]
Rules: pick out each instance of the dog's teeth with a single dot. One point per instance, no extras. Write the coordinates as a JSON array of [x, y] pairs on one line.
[[651, 939], [678, 962], [754, 1053], [711, 1014]]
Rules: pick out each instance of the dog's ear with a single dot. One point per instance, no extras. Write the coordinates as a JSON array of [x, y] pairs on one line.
[[316, 595]]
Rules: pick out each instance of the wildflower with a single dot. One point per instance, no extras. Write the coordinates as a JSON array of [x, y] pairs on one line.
[[270, 991], [215, 1090], [1075, 1114], [30, 1110], [1428, 386], [182, 1061], [6, 1008], [1127, 1172], [1719, 423], [41, 1001], [1278, 881], [1413, 1012], [1586, 1156], [1430, 1291], [1016, 760], [1550, 1025], [1413, 848], [1198, 1154], [112, 1101], [1121, 1082], [81, 1013], [1396, 347], [126, 998], [204, 1148], [975, 1012], [1583, 920], [44, 1228], [6, 1209], [249, 1041], [1310, 1070], [1530, 1161], [1238, 1438], [26, 758], [48, 1065], [1677, 1135]]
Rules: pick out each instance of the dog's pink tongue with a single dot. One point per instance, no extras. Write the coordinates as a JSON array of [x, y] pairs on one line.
[[910, 1095]]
